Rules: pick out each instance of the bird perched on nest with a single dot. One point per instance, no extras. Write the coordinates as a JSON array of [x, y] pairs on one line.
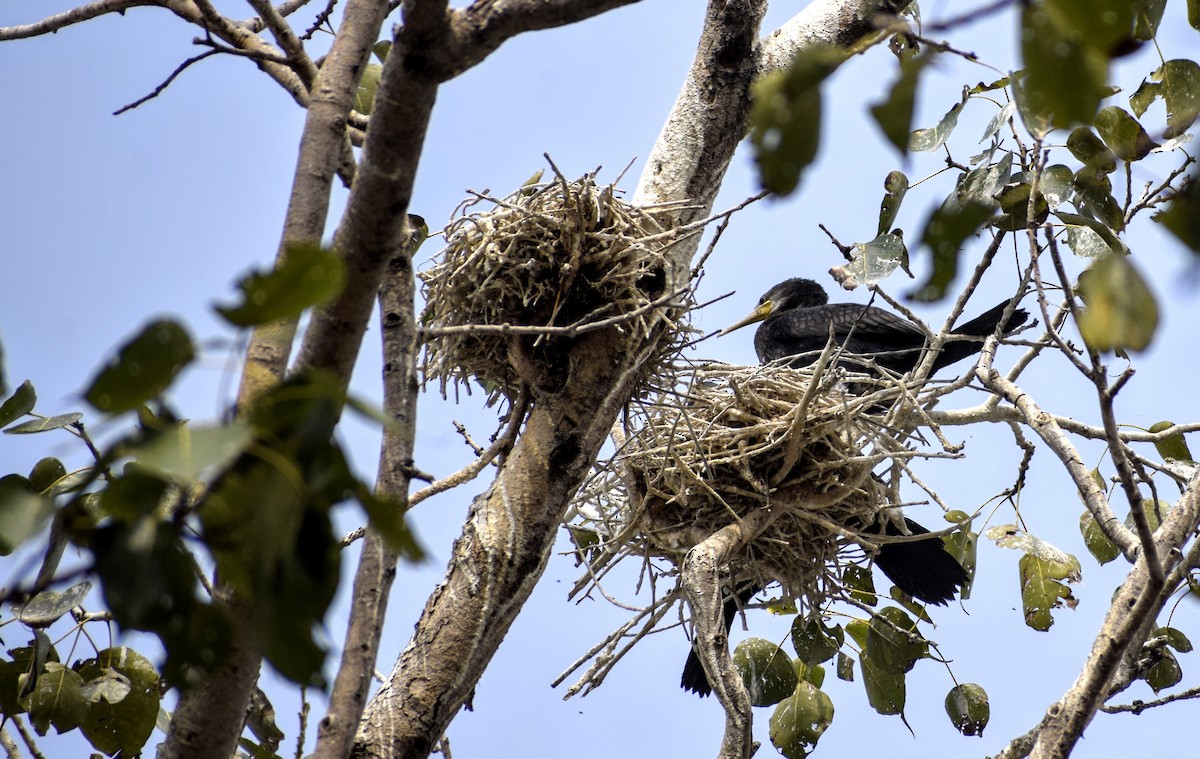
[[796, 317], [797, 321]]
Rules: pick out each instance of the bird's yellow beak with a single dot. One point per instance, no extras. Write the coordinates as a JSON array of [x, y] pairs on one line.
[[762, 312]]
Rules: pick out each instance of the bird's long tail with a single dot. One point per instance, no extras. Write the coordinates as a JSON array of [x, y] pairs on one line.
[[923, 569], [694, 677], [981, 326]]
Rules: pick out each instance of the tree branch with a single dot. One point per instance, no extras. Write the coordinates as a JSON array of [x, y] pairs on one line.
[[52, 24], [377, 564], [1047, 428], [700, 578], [1139, 598], [209, 717]]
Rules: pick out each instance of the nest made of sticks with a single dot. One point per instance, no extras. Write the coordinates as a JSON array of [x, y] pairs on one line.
[[728, 440], [551, 261]]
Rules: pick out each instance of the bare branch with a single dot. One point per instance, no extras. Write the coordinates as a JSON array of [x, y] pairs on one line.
[[166, 82], [1138, 600], [701, 584], [78, 15], [500, 446], [1137, 707], [377, 564], [297, 58], [1047, 428]]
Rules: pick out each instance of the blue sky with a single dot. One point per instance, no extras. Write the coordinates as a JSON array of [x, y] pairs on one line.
[[108, 221]]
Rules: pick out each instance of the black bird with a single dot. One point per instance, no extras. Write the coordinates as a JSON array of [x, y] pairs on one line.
[[796, 317], [923, 569]]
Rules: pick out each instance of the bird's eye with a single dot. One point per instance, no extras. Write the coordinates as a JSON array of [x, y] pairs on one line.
[[762, 300]]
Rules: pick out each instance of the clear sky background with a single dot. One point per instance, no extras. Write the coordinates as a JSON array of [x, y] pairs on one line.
[[106, 222]]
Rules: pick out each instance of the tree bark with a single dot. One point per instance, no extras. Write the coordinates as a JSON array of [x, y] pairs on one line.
[[210, 716], [508, 536]]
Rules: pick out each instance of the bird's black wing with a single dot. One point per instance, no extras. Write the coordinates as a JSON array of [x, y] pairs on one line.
[[863, 330], [923, 569]]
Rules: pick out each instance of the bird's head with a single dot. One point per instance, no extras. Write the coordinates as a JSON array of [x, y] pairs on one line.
[[791, 293]]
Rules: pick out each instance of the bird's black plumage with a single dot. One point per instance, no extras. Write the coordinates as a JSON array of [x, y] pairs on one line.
[[797, 320], [923, 569]]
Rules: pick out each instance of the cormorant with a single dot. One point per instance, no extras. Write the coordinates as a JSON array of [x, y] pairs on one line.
[[796, 317]]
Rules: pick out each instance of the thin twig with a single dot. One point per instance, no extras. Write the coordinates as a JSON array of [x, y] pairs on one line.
[[166, 82]]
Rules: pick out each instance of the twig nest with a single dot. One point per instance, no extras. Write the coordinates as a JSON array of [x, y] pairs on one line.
[[735, 439], [517, 282]]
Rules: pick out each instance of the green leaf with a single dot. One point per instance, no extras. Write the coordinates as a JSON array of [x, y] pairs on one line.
[[1175, 639], [1173, 446], [1093, 197], [1153, 511], [814, 642], [1085, 243], [1056, 184], [982, 185], [858, 581], [894, 115], [144, 367], [185, 453], [1096, 541], [945, 232], [18, 404], [57, 700], [968, 708], [1032, 107], [1177, 82], [893, 640], [124, 724], [308, 276], [132, 495], [1165, 673], [932, 138], [845, 667], [381, 50], [799, 721], [46, 474], [786, 118], [1121, 312], [1147, 17], [1122, 132], [266, 519], [873, 261], [44, 424], [49, 606], [1014, 207], [1193, 13], [387, 518], [1043, 569], [364, 94], [22, 512], [1066, 46], [1042, 589], [1002, 117], [766, 671], [895, 186], [885, 686], [1091, 150], [963, 545], [1101, 240], [1182, 217]]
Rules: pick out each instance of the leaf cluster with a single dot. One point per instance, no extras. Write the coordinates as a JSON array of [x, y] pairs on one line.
[[166, 501]]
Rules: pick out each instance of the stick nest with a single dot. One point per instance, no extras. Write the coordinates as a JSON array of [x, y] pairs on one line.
[[735, 439], [549, 262]]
